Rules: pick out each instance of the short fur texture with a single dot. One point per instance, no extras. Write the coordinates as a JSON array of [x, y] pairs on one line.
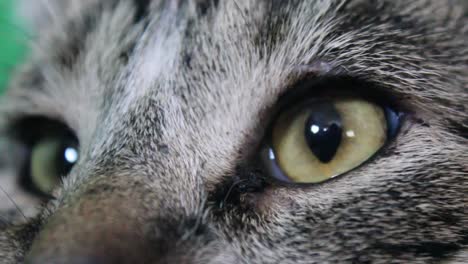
[[170, 101]]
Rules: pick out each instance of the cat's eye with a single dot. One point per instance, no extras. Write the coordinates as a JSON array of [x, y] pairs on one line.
[[51, 159], [322, 138], [51, 152]]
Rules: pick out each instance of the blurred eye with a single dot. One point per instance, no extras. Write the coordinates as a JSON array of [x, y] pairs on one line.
[[51, 159], [323, 138], [51, 152]]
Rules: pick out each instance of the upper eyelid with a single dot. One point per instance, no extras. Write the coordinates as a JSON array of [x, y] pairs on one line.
[[334, 82], [312, 74], [317, 68], [25, 102], [10, 111]]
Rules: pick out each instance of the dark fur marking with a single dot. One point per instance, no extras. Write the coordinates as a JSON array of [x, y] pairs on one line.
[[34, 80], [142, 9], [78, 33], [204, 6], [27, 233], [140, 16], [270, 34], [169, 246], [460, 129], [436, 250]]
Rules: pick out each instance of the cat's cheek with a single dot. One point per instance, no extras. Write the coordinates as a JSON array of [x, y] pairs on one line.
[[269, 201]]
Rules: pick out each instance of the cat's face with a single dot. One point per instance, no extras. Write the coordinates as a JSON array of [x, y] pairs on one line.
[[209, 132]]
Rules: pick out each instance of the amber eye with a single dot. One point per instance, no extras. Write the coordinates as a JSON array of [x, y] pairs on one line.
[[324, 138]]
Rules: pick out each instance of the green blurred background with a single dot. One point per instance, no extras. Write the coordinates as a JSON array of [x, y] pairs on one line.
[[12, 41]]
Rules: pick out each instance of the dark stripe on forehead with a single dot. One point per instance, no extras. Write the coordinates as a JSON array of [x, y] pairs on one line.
[[76, 39], [204, 6], [79, 28], [459, 128], [278, 14], [439, 250], [142, 9]]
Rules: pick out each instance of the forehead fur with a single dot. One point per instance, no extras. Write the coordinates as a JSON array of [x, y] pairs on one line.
[[277, 34], [97, 64]]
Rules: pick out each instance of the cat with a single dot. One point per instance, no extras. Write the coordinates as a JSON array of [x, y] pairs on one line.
[[152, 131]]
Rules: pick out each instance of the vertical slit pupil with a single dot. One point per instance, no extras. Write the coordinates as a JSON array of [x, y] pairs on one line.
[[323, 131]]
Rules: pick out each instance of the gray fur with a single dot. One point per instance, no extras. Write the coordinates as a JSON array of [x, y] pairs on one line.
[[172, 105]]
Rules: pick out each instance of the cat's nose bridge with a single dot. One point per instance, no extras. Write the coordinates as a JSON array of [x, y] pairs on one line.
[[108, 230], [115, 227]]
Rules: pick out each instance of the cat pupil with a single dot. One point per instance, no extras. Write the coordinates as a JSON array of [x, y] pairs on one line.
[[323, 131]]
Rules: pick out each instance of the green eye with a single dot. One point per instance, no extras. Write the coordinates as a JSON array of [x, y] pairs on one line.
[[51, 150], [51, 159]]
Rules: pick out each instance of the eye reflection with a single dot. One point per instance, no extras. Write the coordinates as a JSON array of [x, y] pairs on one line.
[[350, 134], [315, 129], [71, 155]]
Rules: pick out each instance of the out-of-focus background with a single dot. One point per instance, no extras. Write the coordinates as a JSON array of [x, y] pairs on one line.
[[12, 41]]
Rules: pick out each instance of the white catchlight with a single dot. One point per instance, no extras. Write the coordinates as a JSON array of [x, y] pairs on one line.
[[350, 134], [71, 155], [315, 129]]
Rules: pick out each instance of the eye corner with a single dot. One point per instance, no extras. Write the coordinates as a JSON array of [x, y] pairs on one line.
[[394, 121]]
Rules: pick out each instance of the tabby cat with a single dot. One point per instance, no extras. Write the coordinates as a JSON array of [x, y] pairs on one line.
[[237, 131]]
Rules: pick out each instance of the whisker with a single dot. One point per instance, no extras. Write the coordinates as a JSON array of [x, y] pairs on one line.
[[229, 192], [14, 203]]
